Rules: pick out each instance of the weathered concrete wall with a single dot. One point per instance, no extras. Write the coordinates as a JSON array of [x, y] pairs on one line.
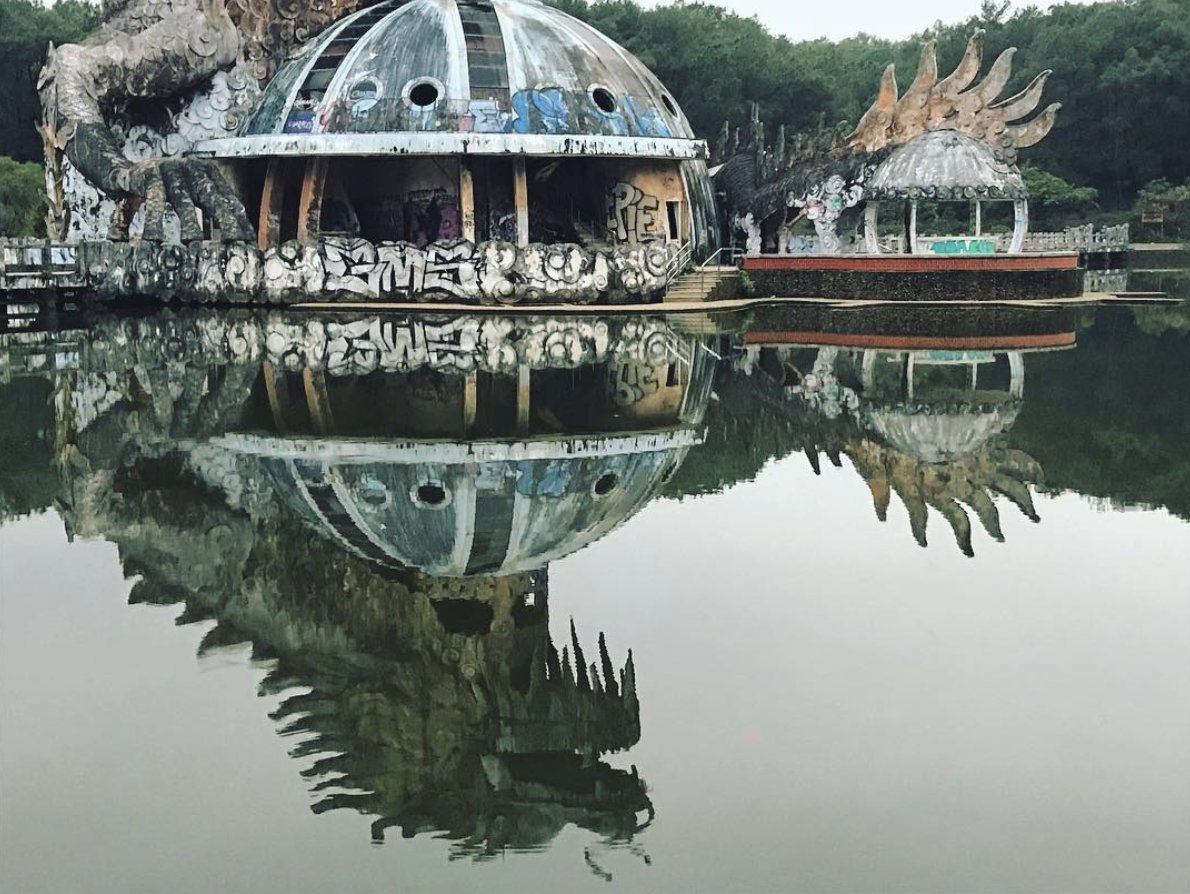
[[338, 268], [637, 197]]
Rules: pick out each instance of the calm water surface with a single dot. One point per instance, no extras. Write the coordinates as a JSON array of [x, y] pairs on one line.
[[810, 600]]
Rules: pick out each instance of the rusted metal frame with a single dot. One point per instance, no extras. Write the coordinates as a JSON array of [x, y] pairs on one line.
[[467, 199], [272, 196], [520, 182], [310, 206], [278, 395], [317, 400]]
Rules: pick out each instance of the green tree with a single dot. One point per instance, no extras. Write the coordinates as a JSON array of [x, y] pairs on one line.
[[1055, 202], [27, 27], [22, 198], [1171, 202]]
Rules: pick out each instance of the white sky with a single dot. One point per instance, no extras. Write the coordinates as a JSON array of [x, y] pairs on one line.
[[883, 18]]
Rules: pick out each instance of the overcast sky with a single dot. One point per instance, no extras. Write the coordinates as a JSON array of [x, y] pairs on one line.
[[884, 18]]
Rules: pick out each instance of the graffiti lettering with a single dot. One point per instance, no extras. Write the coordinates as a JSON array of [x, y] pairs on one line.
[[632, 214]]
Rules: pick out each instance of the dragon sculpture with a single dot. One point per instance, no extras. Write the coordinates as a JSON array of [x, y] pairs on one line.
[[121, 109], [824, 177]]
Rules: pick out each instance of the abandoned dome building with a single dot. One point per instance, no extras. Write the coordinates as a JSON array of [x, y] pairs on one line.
[[496, 152], [506, 134]]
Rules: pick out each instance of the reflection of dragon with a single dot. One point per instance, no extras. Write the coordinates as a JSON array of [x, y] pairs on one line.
[[948, 487], [950, 456], [823, 177], [430, 704], [155, 77]]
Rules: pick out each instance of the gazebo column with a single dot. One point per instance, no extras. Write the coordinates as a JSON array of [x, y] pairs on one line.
[[520, 178], [871, 238], [1016, 367], [978, 218], [913, 227], [1020, 224]]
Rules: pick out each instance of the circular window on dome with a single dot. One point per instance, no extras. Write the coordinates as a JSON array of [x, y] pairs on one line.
[[363, 95], [373, 492], [423, 93], [603, 98], [668, 102], [430, 494], [605, 484]]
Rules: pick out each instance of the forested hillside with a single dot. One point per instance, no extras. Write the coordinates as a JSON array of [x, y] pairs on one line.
[[1121, 70]]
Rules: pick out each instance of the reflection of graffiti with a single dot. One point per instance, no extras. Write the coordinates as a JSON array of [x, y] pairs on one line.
[[632, 214], [488, 273], [633, 382], [492, 344]]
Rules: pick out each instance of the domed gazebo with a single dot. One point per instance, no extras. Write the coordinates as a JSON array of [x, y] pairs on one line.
[[945, 166], [434, 121]]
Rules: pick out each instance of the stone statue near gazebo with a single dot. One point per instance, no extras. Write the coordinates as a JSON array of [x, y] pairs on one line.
[[944, 140]]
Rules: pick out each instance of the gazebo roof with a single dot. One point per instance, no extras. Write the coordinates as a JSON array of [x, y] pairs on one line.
[[945, 165]]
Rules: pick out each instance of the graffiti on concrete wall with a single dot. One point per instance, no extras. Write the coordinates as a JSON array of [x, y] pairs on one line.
[[633, 215], [493, 272]]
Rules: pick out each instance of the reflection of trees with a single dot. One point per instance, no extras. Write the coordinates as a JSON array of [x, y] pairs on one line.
[[1111, 419]]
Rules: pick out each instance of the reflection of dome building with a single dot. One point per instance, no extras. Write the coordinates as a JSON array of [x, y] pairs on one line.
[[436, 120], [470, 508], [504, 446], [944, 419]]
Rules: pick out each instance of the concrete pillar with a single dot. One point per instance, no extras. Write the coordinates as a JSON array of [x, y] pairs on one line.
[[521, 200], [467, 198], [868, 377]]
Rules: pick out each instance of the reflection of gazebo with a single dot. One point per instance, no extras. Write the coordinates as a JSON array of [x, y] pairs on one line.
[[946, 166]]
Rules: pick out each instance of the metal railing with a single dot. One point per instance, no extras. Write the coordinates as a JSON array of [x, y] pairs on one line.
[[678, 263], [728, 253]]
